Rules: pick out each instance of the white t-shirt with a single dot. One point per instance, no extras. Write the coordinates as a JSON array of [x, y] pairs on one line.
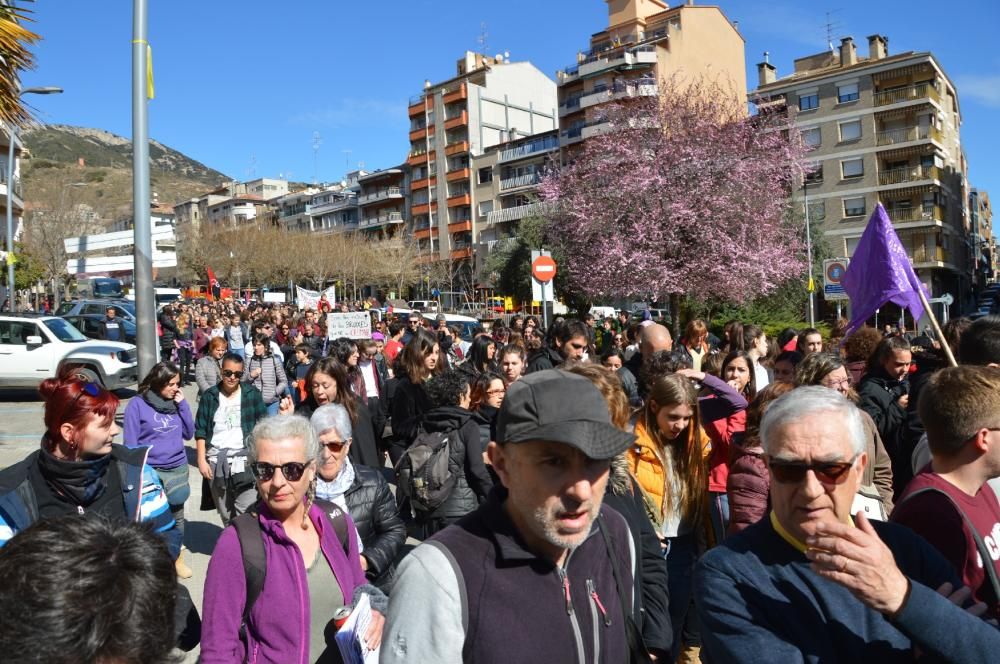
[[760, 376], [227, 426], [368, 372]]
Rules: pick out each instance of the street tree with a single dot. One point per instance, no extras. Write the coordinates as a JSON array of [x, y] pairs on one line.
[[683, 194]]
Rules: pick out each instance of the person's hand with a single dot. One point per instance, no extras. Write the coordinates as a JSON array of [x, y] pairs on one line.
[[205, 469], [961, 597], [364, 563], [692, 374], [903, 401], [179, 397], [255, 373], [286, 406], [373, 637], [858, 559]]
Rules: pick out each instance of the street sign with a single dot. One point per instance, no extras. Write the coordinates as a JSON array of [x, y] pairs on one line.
[[833, 275], [543, 269]]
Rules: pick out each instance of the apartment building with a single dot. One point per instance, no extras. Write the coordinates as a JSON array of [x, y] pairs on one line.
[[334, 211], [293, 210], [982, 241], [881, 128], [451, 123], [243, 197], [506, 190], [10, 182], [645, 43], [383, 202]]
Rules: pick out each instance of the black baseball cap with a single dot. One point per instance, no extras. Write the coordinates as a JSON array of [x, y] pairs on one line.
[[561, 407]]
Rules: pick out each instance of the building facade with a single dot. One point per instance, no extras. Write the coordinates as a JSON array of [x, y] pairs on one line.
[[453, 122], [883, 129], [982, 241], [383, 202], [10, 183]]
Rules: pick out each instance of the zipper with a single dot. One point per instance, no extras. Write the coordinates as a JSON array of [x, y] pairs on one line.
[[577, 635], [592, 589], [595, 604]]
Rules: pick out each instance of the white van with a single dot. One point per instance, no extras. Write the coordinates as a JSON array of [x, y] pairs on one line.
[[602, 312]]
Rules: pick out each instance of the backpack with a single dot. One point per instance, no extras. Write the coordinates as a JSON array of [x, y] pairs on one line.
[[255, 561], [424, 473]]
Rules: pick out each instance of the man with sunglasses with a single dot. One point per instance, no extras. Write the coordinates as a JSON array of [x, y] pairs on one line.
[[227, 414], [774, 593]]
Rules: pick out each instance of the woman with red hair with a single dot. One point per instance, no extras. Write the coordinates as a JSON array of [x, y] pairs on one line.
[[77, 469]]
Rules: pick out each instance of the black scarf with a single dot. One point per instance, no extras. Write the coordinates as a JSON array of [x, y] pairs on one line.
[[159, 404], [82, 481]]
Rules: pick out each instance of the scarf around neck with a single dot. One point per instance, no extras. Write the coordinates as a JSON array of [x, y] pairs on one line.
[[159, 404], [335, 489], [81, 482]]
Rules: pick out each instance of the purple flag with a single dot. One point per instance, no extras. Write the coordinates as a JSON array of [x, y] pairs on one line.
[[880, 272]]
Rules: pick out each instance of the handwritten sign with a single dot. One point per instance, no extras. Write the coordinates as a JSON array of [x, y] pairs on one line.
[[354, 325]]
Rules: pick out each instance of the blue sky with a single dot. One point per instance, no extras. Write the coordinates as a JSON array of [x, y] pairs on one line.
[[243, 85]]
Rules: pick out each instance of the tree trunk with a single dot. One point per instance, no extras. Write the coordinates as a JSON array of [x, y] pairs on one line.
[[675, 315]]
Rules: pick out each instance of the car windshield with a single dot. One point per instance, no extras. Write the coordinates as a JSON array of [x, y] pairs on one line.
[[64, 330], [108, 288], [127, 306], [65, 308]]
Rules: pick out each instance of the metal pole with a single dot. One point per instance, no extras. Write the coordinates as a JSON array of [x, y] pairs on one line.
[[809, 251], [145, 301], [11, 299]]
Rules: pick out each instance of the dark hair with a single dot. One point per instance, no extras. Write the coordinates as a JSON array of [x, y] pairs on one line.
[[614, 352], [263, 339], [569, 329], [411, 360], [734, 335], [750, 391], [886, 348], [395, 327], [478, 358], [800, 344], [158, 377], [860, 345], [751, 333], [662, 363], [87, 590], [447, 389], [69, 400], [785, 336], [341, 349], [304, 348], [480, 387], [512, 349], [329, 366], [232, 357], [980, 343], [953, 331]]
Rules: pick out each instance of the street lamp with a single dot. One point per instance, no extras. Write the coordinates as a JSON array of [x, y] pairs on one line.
[[11, 139]]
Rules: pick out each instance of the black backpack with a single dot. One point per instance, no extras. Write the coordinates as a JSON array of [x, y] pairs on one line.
[[424, 473], [255, 561]]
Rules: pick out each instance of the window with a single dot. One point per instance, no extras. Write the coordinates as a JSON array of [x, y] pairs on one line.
[[812, 137], [847, 92], [817, 211], [852, 168], [809, 101], [485, 175], [854, 207], [850, 131], [485, 207], [814, 173]]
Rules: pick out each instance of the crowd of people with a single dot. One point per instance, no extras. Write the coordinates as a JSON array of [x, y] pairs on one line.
[[592, 492]]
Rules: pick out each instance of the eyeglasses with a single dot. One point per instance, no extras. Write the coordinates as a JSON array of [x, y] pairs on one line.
[[829, 473], [292, 471], [496, 392], [284, 329], [337, 445], [228, 373], [836, 384]]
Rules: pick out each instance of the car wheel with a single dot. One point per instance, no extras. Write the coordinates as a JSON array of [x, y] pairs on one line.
[[87, 375]]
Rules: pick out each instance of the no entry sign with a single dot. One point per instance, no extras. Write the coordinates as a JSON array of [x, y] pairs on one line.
[[543, 269]]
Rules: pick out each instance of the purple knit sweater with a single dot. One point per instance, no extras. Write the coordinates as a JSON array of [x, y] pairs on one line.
[[279, 620], [163, 434]]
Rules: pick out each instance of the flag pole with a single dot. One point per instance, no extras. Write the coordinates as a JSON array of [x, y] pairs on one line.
[[937, 328]]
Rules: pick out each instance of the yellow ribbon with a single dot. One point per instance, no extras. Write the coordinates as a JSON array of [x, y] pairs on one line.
[[149, 67]]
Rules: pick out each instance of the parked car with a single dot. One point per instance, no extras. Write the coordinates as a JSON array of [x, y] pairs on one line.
[[425, 306], [466, 324], [33, 348], [123, 308], [90, 325]]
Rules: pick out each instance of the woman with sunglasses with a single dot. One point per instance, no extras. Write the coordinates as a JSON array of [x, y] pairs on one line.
[[326, 383], [829, 370], [310, 573], [78, 471], [362, 492], [159, 418]]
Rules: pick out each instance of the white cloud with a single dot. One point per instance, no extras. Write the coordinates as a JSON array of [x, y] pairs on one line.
[[352, 112], [983, 88]]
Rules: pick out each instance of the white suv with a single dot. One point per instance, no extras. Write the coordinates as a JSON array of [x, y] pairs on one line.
[[33, 348]]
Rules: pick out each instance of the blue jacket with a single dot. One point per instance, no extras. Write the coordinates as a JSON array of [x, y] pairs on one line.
[[142, 494]]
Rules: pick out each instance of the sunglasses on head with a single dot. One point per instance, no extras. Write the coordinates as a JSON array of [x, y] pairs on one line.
[[292, 471], [829, 473], [229, 373], [92, 389]]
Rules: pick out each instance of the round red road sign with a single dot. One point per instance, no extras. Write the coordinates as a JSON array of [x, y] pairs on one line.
[[544, 269]]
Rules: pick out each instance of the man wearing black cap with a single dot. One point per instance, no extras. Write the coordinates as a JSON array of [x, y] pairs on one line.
[[541, 572]]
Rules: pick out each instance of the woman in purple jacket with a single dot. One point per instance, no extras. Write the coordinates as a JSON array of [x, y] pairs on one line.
[[159, 418], [309, 574]]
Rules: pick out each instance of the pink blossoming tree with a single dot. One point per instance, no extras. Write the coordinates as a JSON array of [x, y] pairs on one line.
[[682, 194]]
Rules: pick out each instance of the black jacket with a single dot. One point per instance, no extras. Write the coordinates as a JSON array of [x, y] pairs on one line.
[[409, 403], [880, 394], [373, 510], [465, 458], [168, 331], [486, 420], [546, 358], [364, 451]]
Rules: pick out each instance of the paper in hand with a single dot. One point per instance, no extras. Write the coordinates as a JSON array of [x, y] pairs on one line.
[[350, 637]]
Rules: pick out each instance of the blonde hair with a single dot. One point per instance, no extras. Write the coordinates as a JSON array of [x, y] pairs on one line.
[[610, 387]]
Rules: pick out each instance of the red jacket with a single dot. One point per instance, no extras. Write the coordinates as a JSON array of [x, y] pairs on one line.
[[747, 485]]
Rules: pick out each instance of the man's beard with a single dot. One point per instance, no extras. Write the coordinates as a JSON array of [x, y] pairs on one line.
[[549, 526]]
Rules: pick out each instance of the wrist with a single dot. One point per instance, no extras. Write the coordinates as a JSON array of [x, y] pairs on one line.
[[895, 607]]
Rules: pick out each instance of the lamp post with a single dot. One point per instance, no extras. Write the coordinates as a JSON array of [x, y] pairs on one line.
[[12, 139]]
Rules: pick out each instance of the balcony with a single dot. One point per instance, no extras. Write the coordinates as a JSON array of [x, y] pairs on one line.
[[564, 76], [380, 195], [416, 106], [457, 94], [918, 213], [922, 254], [572, 135], [462, 226], [459, 200], [423, 183], [570, 104], [422, 233], [394, 217], [908, 174], [18, 194], [457, 120], [595, 128], [417, 157], [518, 181], [422, 208], [458, 174], [537, 146], [515, 213], [461, 253], [909, 93], [493, 246], [641, 55], [458, 147], [907, 134]]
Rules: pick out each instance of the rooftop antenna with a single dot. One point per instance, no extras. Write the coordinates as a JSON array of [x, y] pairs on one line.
[[347, 159], [252, 168], [766, 56], [317, 141], [483, 38], [831, 26]]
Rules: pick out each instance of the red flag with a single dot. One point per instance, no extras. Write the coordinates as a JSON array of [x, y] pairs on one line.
[[213, 284]]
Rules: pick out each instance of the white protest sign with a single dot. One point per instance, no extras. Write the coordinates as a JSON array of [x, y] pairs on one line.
[[274, 297], [353, 325], [309, 299]]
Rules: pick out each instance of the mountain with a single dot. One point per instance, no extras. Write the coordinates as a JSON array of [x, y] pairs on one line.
[[95, 168]]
